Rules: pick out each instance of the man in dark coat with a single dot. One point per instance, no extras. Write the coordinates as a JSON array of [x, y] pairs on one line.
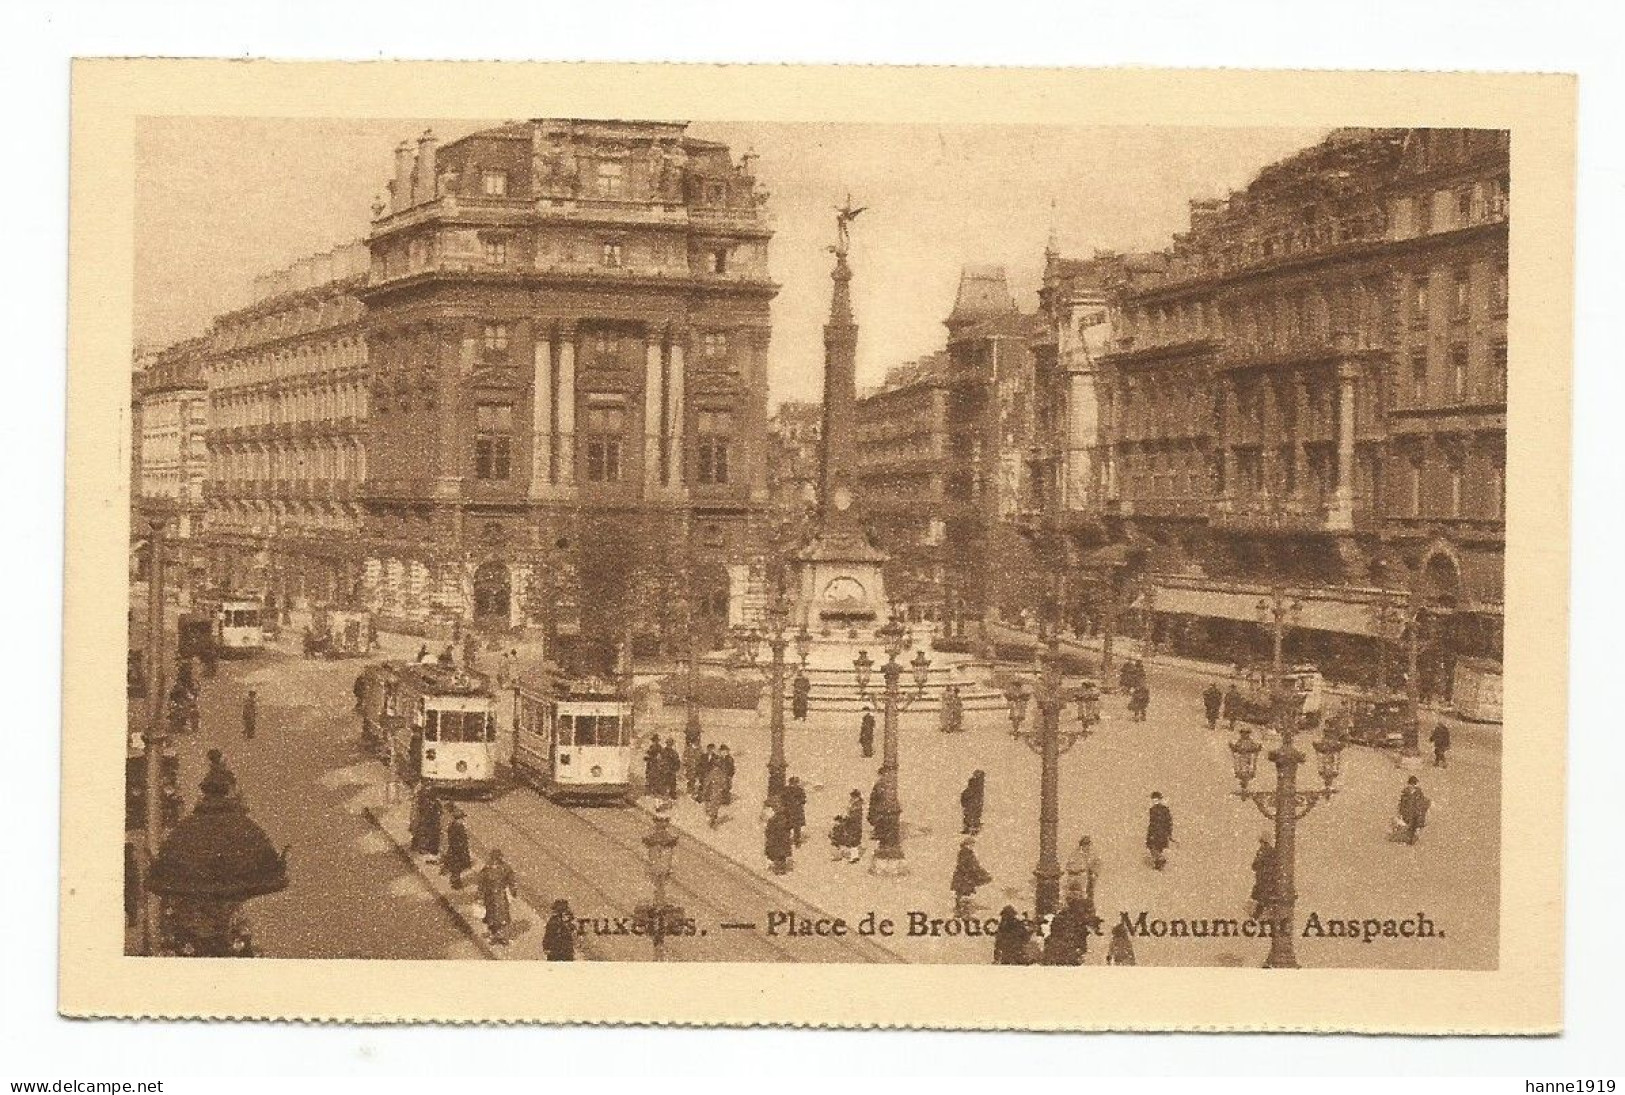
[[425, 824], [1212, 704], [778, 841], [1413, 809], [1067, 939], [969, 876], [1159, 830], [653, 777], [714, 792], [726, 760], [1441, 744], [458, 857], [1010, 939], [497, 891], [1263, 895], [970, 803], [559, 937], [251, 710], [1232, 705], [671, 764], [866, 734], [1141, 701], [794, 799]]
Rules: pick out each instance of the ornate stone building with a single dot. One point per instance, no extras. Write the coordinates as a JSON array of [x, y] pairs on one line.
[[1308, 388], [170, 456], [288, 406], [568, 328]]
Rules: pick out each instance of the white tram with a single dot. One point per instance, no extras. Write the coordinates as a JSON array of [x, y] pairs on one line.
[[573, 739], [437, 722], [239, 625]]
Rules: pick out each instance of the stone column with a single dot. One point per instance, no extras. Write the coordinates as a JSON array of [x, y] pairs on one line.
[[653, 398], [675, 396], [1300, 438], [541, 414], [1342, 515], [567, 410]]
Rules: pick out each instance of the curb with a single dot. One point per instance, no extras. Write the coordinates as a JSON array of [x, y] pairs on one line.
[[468, 928]]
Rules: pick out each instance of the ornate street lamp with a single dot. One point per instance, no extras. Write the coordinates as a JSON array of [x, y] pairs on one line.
[[660, 847], [213, 861], [1049, 739], [888, 813], [778, 617], [1285, 804]]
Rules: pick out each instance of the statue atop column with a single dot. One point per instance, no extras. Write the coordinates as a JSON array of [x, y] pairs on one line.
[[844, 216]]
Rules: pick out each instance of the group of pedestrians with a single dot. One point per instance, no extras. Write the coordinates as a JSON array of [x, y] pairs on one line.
[[439, 834], [785, 825], [706, 774]]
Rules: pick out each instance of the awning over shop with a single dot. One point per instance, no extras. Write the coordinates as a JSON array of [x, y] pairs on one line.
[[1353, 614]]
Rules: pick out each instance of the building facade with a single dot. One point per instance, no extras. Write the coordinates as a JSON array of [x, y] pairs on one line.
[[288, 406], [169, 451], [567, 328], [902, 476], [1310, 391]]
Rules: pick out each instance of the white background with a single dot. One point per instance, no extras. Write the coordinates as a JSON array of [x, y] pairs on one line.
[[37, 41]]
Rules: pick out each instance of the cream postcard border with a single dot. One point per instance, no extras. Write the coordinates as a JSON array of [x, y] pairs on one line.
[[1523, 995]]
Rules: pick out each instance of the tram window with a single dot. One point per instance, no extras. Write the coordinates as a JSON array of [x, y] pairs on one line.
[[567, 729], [431, 726]]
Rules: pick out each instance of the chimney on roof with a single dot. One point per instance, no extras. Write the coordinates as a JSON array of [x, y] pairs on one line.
[[400, 187], [424, 171]]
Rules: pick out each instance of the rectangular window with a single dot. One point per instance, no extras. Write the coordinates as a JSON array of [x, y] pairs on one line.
[[1498, 490], [496, 337], [494, 184], [1419, 377], [1461, 298], [713, 454], [1419, 301], [611, 255], [493, 442], [1416, 487], [1466, 213], [605, 427], [715, 344], [1501, 288], [611, 179], [496, 252], [719, 260], [1458, 371], [1498, 370]]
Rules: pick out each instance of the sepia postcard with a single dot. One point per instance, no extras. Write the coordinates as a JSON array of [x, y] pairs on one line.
[[775, 545]]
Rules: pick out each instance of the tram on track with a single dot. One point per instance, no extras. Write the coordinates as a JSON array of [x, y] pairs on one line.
[[573, 738], [239, 624], [437, 723]]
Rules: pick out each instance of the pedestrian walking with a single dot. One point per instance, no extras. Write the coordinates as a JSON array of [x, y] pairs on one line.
[[1066, 937], [1263, 893], [425, 822], [251, 710], [778, 840], [708, 761], [423, 654], [671, 765], [1159, 831], [559, 937], [970, 803], [726, 760], [1212, 704], [866, 734], [1441, 744], [498, 888], [1120, 951], [969, 876], [1232, 705], [794, 799], [800, 697], [654, 782], [458, 857], [715, 793], [1010, 938], [1140, 702], [847, 833], [1082, 871], [1413, 810], [693, 765]]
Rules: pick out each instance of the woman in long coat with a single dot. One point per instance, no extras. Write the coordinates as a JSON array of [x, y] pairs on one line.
[[715, 793], [1263, 895], [795, 808], [970, 803], [847, 833], [779, 844], [458, 857], [1010, 939], [497, 890], [969, 876]]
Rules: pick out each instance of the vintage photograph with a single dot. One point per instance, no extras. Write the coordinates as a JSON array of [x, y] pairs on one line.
[[624, 538], [631, 540]]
